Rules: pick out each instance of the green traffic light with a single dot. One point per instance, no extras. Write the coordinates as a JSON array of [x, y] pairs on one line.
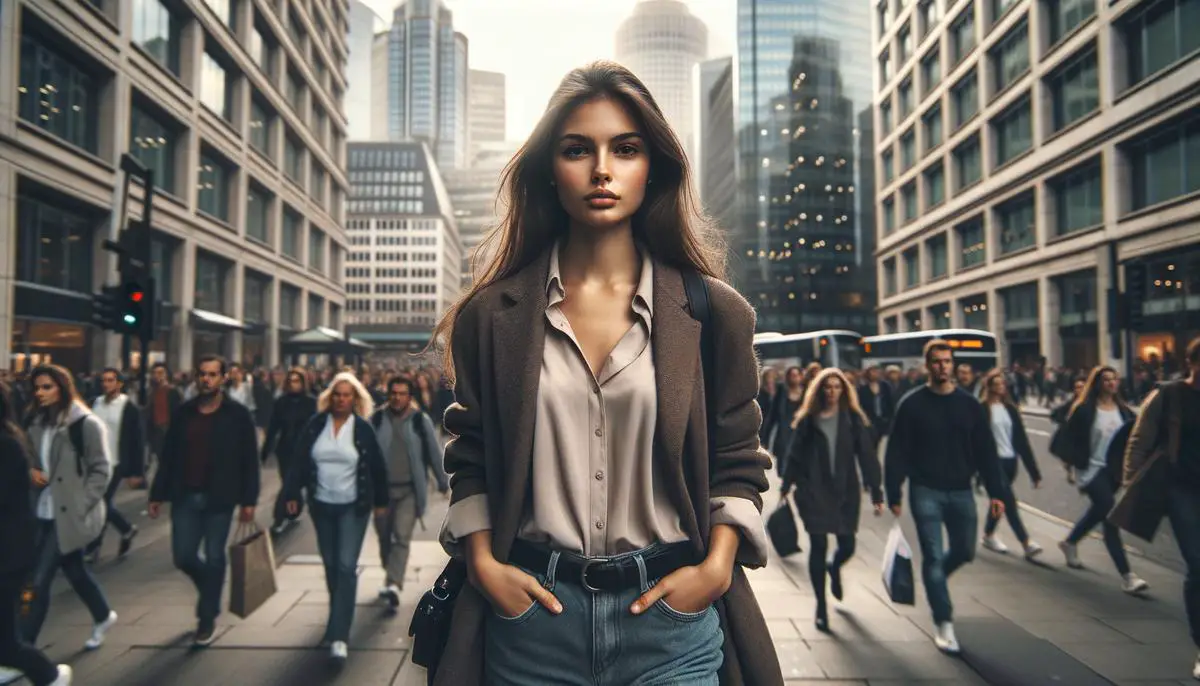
[[130, 319]]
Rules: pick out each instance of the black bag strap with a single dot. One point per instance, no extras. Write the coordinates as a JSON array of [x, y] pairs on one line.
[[697, 295]]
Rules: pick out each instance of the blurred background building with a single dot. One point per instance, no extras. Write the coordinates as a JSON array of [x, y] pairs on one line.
[[716, 163]]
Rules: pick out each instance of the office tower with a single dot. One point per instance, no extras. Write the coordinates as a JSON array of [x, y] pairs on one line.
[[715, 144], [486, 103]]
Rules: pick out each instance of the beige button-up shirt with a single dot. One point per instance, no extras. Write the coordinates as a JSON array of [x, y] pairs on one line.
[[597, 490]]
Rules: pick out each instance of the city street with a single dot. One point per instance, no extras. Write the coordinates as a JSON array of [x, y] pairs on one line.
[[1019, 623]]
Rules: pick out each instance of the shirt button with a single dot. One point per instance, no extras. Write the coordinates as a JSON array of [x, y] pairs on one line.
[[599, 524], [600, 476]]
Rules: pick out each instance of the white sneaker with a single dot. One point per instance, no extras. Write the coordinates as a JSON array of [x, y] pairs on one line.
[[339, 651], [1032, 550], [9, 675], [994, 544], [945, 640], [1196, 669], [1133, 584], [392, 594], [99, 630], [65, 675], [1071, 552]]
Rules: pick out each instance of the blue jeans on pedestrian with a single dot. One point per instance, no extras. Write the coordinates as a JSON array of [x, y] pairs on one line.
[[47, 561], [596, 641], [932, 510], [340, 533], [196, 523], [1183, 508], [1100, 492]]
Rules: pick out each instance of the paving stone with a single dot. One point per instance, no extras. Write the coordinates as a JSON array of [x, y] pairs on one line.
[[897, 661]]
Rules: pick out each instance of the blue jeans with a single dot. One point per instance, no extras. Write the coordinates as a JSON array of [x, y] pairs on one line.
[[340, 532], [1183, 508], [47, 561], [597, 642], [194, 523], [932, 510]]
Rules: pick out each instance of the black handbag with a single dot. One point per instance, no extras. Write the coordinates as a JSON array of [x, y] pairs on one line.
[[781, 527]]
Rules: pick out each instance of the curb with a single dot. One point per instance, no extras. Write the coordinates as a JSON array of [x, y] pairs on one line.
[[1054, 519]]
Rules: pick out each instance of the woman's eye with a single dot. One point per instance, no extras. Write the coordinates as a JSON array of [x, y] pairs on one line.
[[627, 150], [574, 151]]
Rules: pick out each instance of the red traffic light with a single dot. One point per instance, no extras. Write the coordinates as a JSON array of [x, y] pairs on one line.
[[137, 296]]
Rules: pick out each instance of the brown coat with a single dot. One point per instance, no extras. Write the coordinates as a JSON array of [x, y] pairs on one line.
[[498, 342]]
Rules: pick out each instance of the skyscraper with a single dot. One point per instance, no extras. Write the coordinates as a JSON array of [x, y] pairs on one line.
[[420, 65], [717, 162], [661, 42], [360, 93], [486, 103], [803, 78]]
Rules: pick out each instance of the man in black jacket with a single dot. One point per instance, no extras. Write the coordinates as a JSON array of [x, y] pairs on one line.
[[209, 468], [290, 412], [126, 445], [875, 396]]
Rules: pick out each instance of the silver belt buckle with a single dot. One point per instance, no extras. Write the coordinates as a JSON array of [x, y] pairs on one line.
[[587, 564]]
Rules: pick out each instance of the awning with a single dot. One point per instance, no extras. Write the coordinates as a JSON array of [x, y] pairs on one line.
[[323, 341], [214, 321], [385, 337]]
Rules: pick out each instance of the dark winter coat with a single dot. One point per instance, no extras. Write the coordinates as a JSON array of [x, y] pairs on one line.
[[880, 423], [289, 414], [829, 503], [234, 477], [17, 519], [1073, 443]]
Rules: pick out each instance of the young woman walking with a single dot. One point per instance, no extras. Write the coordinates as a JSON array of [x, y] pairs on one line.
[[830, 447], [603, 542], [788, 400], [339, 463], [17, 528], [1008, 432], [1095, 417]]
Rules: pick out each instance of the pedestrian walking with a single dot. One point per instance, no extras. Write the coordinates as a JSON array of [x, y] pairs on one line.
[[878, 402], [71, 474], [339, 463], [18, 529], [788, 400], [603, 540], [127, 447], [940, 439], [209, 469], [1170, 420], [1008, 432], [409, 443], [830, 447], [1058, 417], [289, 415], [1097, 415], [768, 386], [165, 398]]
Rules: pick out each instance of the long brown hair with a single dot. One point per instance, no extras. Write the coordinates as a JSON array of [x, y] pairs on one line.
[[1091, 390], [67, 395], [814, 397], [534, 218], [985, 389]]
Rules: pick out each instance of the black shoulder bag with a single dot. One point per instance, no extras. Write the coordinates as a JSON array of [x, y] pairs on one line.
[[430, 626]]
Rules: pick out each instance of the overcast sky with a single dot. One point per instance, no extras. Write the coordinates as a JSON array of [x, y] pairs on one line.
[[536, 42]]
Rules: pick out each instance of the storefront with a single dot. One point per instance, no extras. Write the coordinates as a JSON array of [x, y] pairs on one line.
[[1170, 306], [212, 333]]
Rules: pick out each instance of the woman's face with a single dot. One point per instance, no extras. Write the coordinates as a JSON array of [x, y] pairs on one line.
[[295, 383], [999, 386], [832, 391], [1079, 386], [601, 165], [45, 390], [342, 399], [1109, 383], [794, 376]]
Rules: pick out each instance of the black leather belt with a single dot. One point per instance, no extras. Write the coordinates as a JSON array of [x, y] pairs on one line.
[[597, 574]]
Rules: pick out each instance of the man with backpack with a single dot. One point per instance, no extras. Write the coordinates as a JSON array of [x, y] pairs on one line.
[[1169, 428], [406, 436]]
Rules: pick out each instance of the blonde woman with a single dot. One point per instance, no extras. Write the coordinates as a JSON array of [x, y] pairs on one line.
[[1008, 432], [339, 463], [829, 438]]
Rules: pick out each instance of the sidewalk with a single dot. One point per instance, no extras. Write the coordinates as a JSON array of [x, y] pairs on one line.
[[1019, 623]]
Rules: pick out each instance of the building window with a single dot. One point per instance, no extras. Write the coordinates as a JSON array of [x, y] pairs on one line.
[[999, 7], [929, 16], [222, 9], [890, 325], [975, 313], [964, 97], [54, 245], [316, 307], [1065, 15], [1166, 163], [210, 283], [216, 87], [261, 50], [935, 185], [289, 244], [884, 17], [1074, 89], [912, 267], [154, 146], [889, 276], [212, 187], [968, 163], [316, 249], [906, 98], [256, 292], [1010, 57], [962, 35], [1077, 299], [932, 122], [258, 212], [1159, 34], [1078, 199], [885, 67], [56, 95], [908, 150], [1021, 307], [972, 250], [318, 183], [908, 195], [260, 126], [931, 69], [888, 163], [293, 160], [936, 249], [904, 40], [289, 300], [156, 30], [1015, 220], [295, 92], [885, 117], [889, 216], [1014, 131]]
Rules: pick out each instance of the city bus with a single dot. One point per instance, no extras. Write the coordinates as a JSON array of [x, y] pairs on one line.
[[830, 348], [976, 348]]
